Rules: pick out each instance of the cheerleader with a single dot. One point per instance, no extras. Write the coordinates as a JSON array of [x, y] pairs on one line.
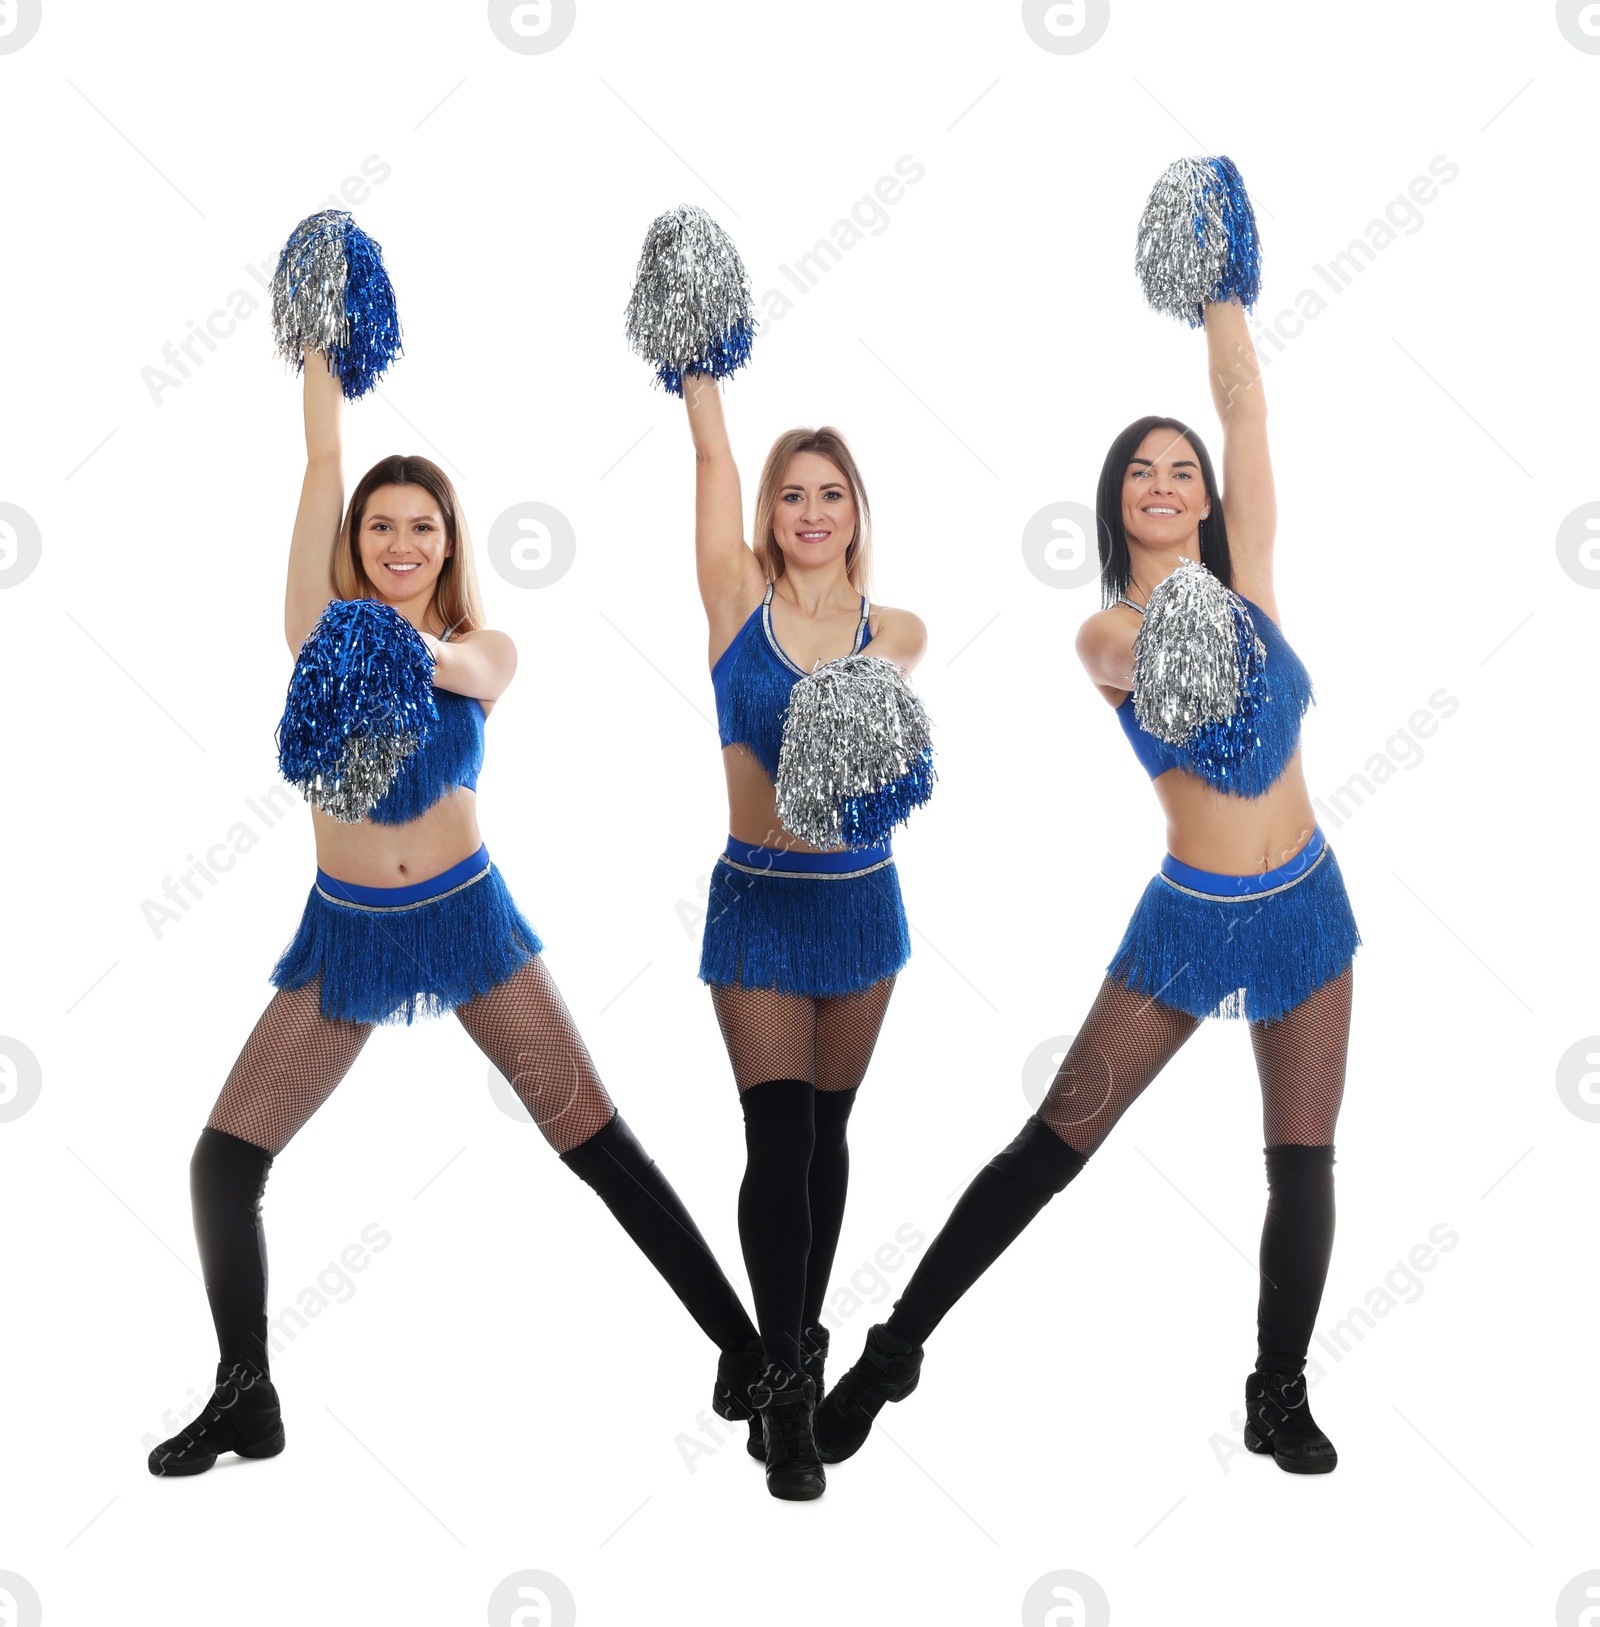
[[803, 941], [1247, 916], [407, 917]]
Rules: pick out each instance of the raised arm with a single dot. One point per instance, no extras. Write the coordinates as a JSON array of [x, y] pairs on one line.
[[1247, 493], [316, 521], [725, 566]]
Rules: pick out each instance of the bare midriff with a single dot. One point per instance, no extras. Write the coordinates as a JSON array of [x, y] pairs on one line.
[[753, 805], [373, 855], [1233, 835]]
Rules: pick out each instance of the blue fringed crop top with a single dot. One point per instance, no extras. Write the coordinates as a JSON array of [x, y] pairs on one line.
[[752, 680], [1277, 732], [451, 757]]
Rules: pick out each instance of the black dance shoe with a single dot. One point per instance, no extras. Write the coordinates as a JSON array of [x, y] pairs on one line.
[[887, 1370], [242, 1416], [738, 1373], [739, 1370], [1279, 1422], [813, 1353], [787, 1406]]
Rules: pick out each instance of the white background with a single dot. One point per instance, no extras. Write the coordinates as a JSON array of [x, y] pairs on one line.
[[506, 1386]]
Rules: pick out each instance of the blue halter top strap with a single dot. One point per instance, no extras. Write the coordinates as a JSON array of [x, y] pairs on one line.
[[752, 680], [451, 756], [1278, 728]]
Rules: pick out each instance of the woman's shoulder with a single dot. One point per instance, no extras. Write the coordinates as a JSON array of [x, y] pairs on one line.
[[1102, 629], [886, 617], [902, 630]]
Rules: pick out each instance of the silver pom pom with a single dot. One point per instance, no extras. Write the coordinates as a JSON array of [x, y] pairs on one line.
[[1198, 240], [855, 752], [366, 771], [308, 308], [1197, 660], [691, 304]]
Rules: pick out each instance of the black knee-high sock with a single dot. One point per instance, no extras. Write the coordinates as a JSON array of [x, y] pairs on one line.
[[642, 1199], [826, 1186], [988, 1217], [227, 1176], [775, 1212], [1296, 1246]]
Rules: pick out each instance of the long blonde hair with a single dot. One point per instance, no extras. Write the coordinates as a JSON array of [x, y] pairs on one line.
[[826, 442], [455, 594]]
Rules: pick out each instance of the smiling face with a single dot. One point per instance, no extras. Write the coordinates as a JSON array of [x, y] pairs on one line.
[[403, 545], [1164, 496], [814, 517]]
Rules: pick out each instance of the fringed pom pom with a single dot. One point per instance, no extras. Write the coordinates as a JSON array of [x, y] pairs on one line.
[[1198, 241], [331, 293], [856, 757], [690, 311], [1199, 671], [360, 702]]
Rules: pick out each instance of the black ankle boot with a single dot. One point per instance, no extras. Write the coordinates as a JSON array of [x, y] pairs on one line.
[[738, 1373], [887, 1370], [813, 1353], [1279, 1422], [242, 1416], [787, 1405]]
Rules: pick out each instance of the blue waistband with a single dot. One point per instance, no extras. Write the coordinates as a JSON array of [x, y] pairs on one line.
[[1221, 886], [416, 892], [779, 860]]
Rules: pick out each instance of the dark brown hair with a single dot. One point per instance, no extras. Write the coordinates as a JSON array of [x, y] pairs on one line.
[[1113, 539]]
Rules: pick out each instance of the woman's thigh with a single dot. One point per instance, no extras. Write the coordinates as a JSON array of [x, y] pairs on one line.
[[768, 1035], [1125, 1041], [524, 1028], [847, 1032], [1300, 1060], [290, 1065]]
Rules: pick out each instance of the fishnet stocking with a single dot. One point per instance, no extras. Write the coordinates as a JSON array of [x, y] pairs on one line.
[[524, 1028], [1125, 1041], [1128, 1038], [1300, 1061], [828, 1041], [288, 1068]]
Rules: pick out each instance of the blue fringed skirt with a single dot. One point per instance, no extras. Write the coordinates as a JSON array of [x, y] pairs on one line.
[[1239, 946], [384, 954], [818, 924]]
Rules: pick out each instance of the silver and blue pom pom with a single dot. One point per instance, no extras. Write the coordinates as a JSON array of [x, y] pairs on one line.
[[1199, 671], [691, 307], [1198, 241], [856, 756], [331, 293], [360, 702]]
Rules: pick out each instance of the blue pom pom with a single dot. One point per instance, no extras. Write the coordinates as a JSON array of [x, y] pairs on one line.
[[870, 817], [331, 293], [360, 702], [725, 354], [1218, 750], [1241, 276], [369, 308]]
